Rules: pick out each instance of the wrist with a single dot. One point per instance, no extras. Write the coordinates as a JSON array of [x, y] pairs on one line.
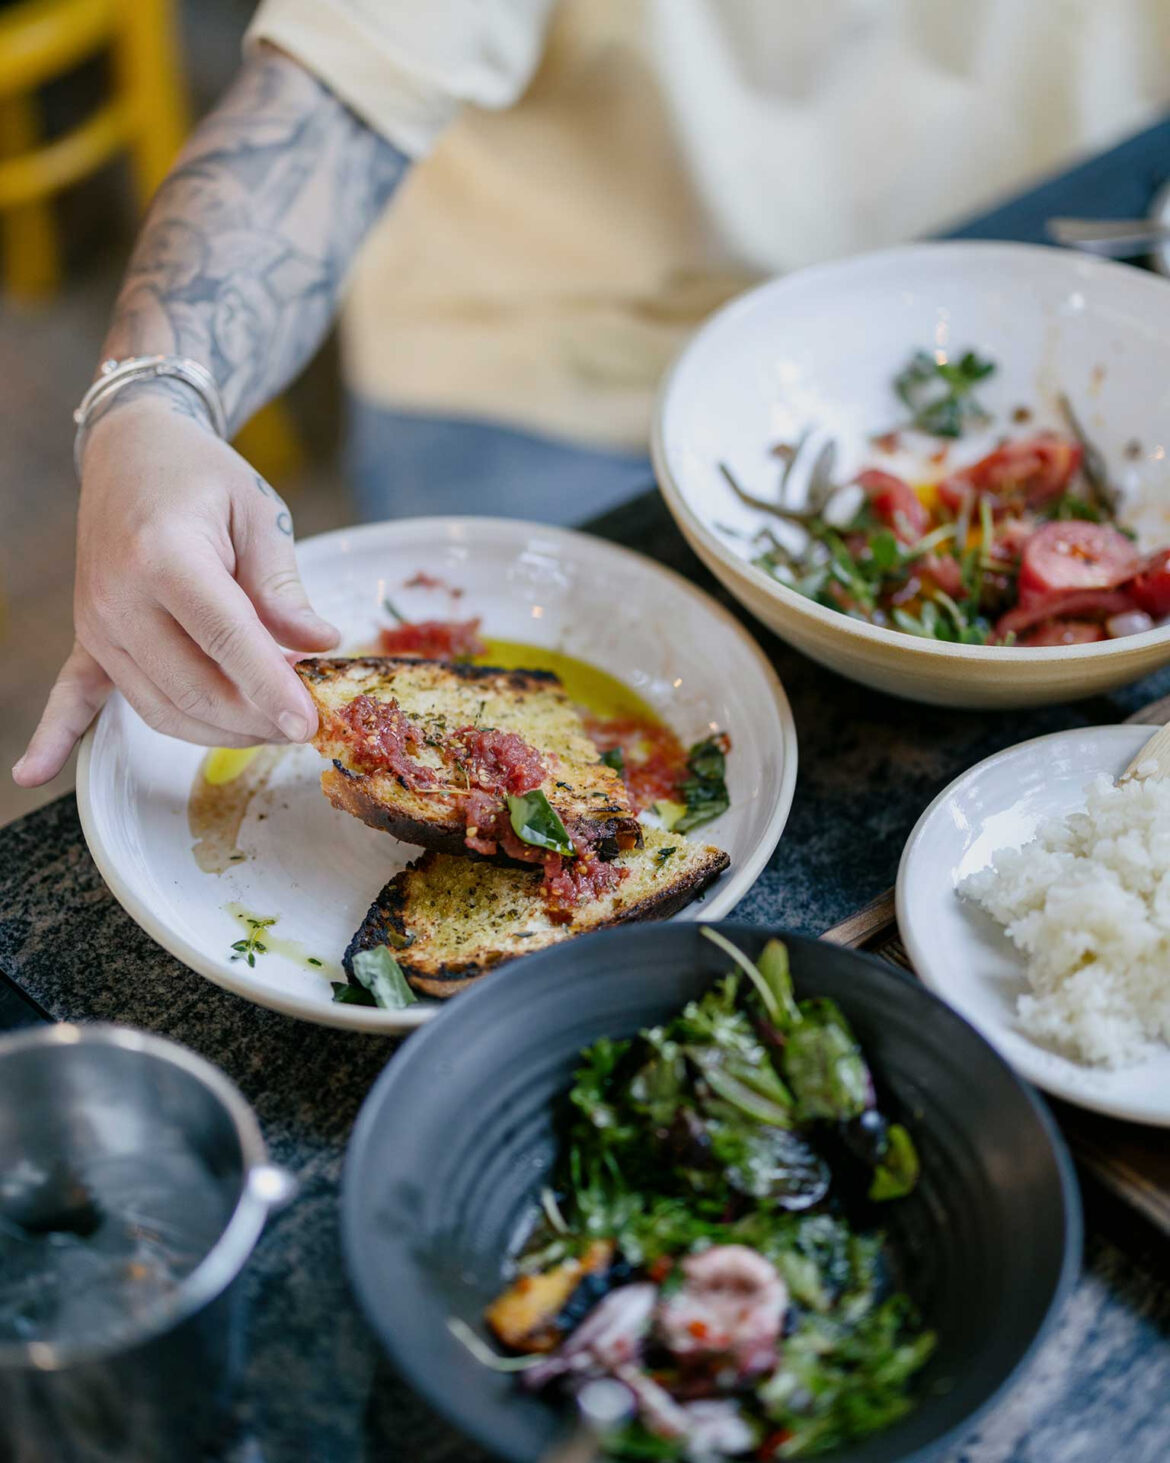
[[169, 394]]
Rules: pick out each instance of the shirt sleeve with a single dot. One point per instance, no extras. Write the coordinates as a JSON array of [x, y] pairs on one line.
[[407, 66]]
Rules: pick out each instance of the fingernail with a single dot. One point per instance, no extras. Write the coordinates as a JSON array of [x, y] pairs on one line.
[[18, 766], [294, 726]]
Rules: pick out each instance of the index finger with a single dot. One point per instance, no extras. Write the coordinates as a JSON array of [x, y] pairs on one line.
[[221, 619]]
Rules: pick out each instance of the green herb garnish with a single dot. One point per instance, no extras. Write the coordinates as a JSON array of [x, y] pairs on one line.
[[664, 853], [536, 821], [705, 790], [938, 393], [251, 946], [381, 975], [615, 759], [897, 1173], [394, 613]]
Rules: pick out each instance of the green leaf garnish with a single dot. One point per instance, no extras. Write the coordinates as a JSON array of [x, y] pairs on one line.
[[536, 821], [615, 759], [897, 1173], [382, 976], [938, 393], [705, 790]]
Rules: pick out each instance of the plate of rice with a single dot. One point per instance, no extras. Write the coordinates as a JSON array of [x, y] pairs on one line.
[[1034, 897]]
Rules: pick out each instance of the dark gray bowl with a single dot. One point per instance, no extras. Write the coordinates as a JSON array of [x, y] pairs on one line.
[[455, 1139]]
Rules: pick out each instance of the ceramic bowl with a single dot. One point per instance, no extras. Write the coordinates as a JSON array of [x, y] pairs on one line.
[[456, 1138], [820, 348]]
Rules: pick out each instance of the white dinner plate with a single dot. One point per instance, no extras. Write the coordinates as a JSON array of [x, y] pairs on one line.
[[314, 869], [960, 951]]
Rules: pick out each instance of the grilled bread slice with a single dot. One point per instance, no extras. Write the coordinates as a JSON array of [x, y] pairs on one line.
[[442, 697], [451, 920]]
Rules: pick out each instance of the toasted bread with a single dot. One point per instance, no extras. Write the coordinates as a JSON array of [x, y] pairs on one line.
[[461, 918], [442, 697]]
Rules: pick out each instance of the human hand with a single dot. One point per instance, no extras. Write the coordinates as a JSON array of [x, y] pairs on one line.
[[186, 590]]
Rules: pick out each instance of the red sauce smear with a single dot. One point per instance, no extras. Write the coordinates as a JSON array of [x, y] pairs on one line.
[[655, 760], [423, 580], [385, 739], [433, 639]]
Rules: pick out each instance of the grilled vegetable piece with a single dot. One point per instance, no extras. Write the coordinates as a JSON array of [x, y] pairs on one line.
[[525, 1317], [450, 920], [421, 793]]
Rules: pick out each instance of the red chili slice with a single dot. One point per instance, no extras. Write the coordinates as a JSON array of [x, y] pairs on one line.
[[1151, 588], [896, 503], [1064, 632], [1096, 604], [1075, 555], [1031, 470]]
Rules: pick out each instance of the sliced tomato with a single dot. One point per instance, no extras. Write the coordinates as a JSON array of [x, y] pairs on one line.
[[1029, 471], [1070, 604], [1151, 588], [1064, 632], [896, 503], [1073, 555], [946, 572]]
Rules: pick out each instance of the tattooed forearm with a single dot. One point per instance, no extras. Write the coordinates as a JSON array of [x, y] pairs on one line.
[[246, 245]]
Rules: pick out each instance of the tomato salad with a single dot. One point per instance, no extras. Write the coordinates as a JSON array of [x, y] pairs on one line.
[[1022, 547]]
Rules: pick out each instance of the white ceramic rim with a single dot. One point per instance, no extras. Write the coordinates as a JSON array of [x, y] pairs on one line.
[[1037, 1073], [697, 532], [726, 894]]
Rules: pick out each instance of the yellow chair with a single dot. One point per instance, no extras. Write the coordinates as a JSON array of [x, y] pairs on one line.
[[145, 117]]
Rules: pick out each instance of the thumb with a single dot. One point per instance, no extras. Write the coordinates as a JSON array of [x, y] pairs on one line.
[[266, 570], [74, 701]]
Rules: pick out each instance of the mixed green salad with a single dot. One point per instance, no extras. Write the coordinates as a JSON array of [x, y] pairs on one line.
[[708, 1239]]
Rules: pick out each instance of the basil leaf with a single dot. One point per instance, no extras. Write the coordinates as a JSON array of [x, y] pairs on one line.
[[705, 790], [897, 1173], [536, 821], [614, 759], [351, 995], [382, 976]]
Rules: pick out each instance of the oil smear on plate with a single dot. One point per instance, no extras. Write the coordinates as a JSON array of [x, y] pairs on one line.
[[225, 784], [257, 940]]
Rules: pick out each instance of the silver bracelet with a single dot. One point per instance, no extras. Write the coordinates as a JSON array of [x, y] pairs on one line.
[[113, 376]]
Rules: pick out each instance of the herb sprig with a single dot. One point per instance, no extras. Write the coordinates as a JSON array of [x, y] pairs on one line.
[[938, 393]]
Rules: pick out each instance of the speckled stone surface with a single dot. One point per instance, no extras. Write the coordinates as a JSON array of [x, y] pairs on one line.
[[316, 1388]]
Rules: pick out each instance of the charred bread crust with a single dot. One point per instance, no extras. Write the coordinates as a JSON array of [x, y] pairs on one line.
[[387, 922], [317, 670], [349, 791]]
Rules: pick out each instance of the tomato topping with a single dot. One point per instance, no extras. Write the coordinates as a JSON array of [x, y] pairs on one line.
[[570, 882], [654, 760], [1075, 604], [1151, 588], [1075, 555], [946, 573], [896, 503], [433, 639], [495, 761], [1027, 472], [385, 739], [1064, 632]]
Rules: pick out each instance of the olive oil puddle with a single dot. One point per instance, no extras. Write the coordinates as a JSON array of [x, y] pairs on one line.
[[257, 933], [225, 784], [588, 686]]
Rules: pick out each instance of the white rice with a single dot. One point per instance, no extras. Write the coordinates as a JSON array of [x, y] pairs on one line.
[[1087, 903]]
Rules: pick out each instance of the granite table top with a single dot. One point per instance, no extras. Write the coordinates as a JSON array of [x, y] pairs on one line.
[[316, 1387]]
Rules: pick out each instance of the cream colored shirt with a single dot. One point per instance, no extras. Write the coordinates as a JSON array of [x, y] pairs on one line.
[[594, 176]]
